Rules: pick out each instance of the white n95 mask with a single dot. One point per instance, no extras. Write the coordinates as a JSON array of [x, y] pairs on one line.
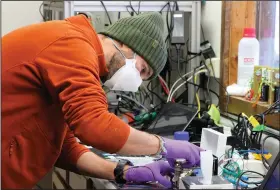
[[127, 78]]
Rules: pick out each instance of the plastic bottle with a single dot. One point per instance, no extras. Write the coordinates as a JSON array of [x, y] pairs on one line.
[[248, 56]]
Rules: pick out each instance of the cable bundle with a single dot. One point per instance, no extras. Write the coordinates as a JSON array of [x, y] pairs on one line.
[[232, 172], [241, 131]]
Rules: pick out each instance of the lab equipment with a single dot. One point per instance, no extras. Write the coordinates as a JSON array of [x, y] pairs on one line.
[[178, 168], [248, 56], [182, 135], [181, 26], [213, 140], [171, 118]]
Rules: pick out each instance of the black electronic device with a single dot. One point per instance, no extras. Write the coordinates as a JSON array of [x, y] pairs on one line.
[[272, 178], [207, 50], [172, 117], [180, 31]]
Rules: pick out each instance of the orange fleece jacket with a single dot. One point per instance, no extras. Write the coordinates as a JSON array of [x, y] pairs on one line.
[[51, 84]]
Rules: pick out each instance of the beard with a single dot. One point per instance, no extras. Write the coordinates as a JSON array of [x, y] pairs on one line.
[[115, 64]]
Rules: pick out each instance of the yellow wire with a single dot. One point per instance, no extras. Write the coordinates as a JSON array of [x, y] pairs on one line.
[[197, 99]]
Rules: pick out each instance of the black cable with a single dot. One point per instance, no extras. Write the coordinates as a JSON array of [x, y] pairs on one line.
[[200, 87], [208, 81], [163, 7], [151, 91], [178, 48], [177, 6], [171, 26], [264, 160], [146, 95], [248, 171], [40, 10], [118, 108], [195, 88], [227, 114], [106, 12], [131, 13], [130, 5], [241, 133], [131, 104], [139, 7], [119, 15], [49, 9], [260, 118], [202, 33], [273, 106]]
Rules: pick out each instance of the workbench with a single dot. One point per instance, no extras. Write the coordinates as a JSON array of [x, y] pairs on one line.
[[59, 178]]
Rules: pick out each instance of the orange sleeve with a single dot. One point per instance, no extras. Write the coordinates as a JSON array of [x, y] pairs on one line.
[[70, 153], [70, 72]]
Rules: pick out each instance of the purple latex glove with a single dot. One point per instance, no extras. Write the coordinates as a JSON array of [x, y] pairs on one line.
[[153, 172], [176, 149]]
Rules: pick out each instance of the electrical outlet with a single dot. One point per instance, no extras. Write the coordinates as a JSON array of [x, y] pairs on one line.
[[216, 66]]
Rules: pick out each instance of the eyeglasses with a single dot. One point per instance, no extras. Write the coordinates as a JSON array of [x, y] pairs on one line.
[[116, 46]]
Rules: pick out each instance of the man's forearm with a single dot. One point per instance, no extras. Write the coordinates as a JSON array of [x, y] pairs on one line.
[[92, 165], [140, 143]]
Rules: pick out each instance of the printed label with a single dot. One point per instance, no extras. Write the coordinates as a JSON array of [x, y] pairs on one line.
[[248, 61]]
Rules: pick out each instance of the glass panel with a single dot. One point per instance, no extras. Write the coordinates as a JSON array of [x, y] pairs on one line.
[[276, 39], [269, 33]]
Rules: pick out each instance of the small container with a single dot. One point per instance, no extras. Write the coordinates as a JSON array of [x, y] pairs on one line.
[[182, 135], [264, 93], [248, 56], [206, 165]]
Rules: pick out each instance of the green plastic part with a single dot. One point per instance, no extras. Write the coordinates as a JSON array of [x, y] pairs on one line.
[[259, 128], [215, 114], [145, 116]]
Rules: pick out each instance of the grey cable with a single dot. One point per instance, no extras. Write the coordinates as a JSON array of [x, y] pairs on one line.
[[135, 101]]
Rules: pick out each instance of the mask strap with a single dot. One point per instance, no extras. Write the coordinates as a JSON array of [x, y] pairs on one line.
[[117, 47]]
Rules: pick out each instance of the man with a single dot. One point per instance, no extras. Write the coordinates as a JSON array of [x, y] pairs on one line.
[[51, 93]]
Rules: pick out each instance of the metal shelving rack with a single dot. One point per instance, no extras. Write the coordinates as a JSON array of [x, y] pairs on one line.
[[193, 7]]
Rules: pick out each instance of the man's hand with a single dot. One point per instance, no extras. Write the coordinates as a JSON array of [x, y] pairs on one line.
[[181, 149], [141, 143], [154, 172]]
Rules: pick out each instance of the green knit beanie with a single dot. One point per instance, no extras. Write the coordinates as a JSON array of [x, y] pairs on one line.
[[144, 35]]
